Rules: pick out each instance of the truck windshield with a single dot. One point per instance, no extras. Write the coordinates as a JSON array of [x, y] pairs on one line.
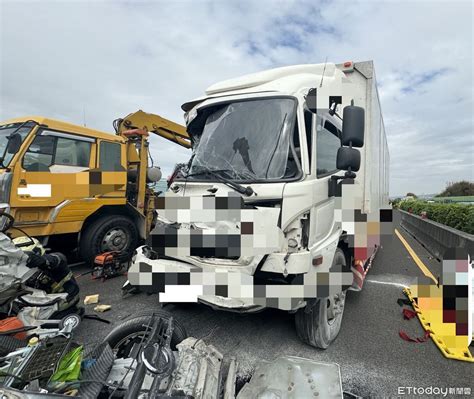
[[5, 132], [245, 140]]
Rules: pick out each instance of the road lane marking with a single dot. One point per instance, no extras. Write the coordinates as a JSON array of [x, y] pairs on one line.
[[415, 257]]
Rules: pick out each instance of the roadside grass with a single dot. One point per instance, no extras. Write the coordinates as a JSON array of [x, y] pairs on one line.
[[457, 216]]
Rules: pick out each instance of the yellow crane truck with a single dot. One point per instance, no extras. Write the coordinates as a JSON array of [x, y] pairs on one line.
[[78, 188]]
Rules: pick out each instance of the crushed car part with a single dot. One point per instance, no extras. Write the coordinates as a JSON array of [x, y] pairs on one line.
[[198, 370], [98, 370], [22, 295], [229, 392], [155, 356], [38, 362], [293, 377], [122, 338]]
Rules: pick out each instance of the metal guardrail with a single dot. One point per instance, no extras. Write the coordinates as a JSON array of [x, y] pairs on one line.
[[436, 237]]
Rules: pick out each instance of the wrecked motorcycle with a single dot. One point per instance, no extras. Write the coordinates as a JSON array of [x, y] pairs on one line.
[[26, 309], [149, 356]]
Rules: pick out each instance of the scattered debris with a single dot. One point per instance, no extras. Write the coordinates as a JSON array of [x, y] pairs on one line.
[[291, 376], [91, 299], [102, 308], [229, 392]]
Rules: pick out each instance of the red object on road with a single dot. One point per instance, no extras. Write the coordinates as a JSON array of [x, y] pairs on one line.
[[408, 314], [418, 340]]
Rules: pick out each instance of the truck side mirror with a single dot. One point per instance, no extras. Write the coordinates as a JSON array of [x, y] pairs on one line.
[[348, 159], [14, 143], [311, 102], [353, 126]]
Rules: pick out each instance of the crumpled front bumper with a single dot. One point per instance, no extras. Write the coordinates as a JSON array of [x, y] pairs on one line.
[[178, 281]]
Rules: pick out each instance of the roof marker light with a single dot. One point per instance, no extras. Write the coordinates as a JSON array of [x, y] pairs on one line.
[[347, 66]]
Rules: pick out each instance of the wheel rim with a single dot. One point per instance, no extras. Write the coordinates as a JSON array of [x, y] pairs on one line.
[[335, 307], [116, 239], [124, 346]]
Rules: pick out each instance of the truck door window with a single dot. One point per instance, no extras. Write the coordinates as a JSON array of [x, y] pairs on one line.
[[48, 150], [39, 156], [110, 157], [72, 152], [327, 144]]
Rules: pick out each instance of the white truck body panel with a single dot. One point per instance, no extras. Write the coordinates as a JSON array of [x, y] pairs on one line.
[[376, 156]]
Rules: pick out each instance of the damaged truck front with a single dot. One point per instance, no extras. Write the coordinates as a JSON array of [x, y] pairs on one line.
[[269, 211]]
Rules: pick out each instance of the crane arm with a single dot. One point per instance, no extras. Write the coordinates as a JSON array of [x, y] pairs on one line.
[[154, 124]]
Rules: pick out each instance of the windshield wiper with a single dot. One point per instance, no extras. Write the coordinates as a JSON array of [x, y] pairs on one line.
[[215, 173]]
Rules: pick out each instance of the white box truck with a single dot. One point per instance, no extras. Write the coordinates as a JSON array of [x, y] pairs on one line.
[[280, 204]]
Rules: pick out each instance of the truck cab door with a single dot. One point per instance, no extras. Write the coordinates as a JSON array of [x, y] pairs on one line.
[[52, 170], [111, 180], [325, 142]]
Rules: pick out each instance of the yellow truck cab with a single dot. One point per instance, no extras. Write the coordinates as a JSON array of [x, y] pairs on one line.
[[76, 187]]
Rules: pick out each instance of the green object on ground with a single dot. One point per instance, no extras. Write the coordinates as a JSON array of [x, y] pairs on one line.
[[69, 367]]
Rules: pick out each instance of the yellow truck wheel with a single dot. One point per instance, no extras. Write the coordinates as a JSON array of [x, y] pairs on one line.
[[108, 233]]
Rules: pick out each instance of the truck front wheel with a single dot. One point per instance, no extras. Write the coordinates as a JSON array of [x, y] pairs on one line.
[[318, 324], [108, 233]]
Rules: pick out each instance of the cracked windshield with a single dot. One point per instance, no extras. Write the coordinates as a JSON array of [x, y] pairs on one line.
[[247, 140]]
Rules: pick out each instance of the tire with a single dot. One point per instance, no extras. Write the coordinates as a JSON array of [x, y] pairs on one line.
[[122, 337], [319, 323], [108, 233]]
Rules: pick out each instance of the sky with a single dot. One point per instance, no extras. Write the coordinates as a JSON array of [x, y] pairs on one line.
[[95, 61]]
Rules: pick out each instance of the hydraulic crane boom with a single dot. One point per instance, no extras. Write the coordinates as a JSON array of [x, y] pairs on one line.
[[154, 124]]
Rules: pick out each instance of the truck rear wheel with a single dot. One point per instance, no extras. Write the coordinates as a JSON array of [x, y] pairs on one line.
[[108, 233], [319, 323]]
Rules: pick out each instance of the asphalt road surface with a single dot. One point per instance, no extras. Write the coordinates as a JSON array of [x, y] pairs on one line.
[[374, 360]]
